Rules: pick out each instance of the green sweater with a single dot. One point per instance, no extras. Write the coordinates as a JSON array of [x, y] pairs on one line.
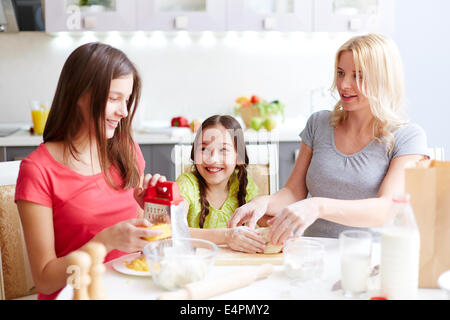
[[217, 218]]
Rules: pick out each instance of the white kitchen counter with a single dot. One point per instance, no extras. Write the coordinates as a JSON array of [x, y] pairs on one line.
[[23, 138]]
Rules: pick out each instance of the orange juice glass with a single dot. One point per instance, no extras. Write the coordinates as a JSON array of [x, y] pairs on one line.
[[39, 116]]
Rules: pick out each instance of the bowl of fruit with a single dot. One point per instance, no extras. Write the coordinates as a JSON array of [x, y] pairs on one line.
[[258, 113]]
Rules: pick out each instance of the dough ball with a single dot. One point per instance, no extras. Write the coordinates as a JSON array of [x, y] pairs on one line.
[[270, 248]]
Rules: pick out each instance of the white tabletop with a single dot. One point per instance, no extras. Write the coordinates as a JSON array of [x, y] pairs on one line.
[[277, 286]]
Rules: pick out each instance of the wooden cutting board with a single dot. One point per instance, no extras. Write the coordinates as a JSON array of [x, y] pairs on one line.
[[227, 257]]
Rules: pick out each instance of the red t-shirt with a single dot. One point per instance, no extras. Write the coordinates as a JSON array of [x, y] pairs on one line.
[[82, 205]]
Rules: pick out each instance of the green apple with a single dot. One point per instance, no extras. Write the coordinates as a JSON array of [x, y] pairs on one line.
[[269, 124], [256, 123]]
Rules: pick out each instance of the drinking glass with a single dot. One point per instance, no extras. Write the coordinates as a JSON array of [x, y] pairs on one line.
[[303, 259], [355, 255], [39, 114]]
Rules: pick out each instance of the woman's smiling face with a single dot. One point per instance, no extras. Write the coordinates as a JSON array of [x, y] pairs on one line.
[[215, 155], [351, 97]]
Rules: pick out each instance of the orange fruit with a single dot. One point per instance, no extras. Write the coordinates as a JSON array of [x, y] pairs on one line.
[[195, 125]]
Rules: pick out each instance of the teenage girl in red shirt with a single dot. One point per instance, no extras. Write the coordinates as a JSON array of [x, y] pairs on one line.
[[86, 181]]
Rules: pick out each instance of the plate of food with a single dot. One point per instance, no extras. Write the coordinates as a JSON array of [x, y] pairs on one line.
[[132, 264]]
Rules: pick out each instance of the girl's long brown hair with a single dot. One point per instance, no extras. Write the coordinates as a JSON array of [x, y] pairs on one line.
[[89, 70], [235, 129]]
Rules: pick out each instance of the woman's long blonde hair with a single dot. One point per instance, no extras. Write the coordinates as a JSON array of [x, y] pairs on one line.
[[382, 81]]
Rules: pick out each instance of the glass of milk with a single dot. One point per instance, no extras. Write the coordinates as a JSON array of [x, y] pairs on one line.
[[355, 248]]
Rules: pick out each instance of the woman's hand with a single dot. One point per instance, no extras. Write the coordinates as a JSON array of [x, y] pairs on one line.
[[139, 192], [127, 235], [251, 212], [293, 220], [245, 239]]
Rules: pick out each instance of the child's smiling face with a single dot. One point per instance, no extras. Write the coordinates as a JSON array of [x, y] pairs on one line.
[[215, 155]]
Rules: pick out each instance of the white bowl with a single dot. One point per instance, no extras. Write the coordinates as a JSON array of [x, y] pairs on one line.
[[444, 282], [174, 263]]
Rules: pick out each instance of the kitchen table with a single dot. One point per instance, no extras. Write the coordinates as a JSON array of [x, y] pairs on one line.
[[277, 286]]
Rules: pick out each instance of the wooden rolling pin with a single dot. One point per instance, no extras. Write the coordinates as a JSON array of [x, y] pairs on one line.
[[212, 287]]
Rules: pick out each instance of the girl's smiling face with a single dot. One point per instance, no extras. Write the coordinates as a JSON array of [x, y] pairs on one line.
[[116, 107], [215, 155]]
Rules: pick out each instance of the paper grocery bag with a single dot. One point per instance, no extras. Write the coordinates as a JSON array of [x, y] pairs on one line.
[[429, 186]]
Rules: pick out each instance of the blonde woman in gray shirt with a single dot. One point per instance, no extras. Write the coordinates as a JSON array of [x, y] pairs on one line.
[[351, 159]]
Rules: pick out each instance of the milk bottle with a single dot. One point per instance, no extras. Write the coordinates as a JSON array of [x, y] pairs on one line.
[[400, 247]]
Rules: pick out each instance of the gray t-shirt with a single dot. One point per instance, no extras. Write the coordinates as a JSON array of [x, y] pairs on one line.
[[332, 174]]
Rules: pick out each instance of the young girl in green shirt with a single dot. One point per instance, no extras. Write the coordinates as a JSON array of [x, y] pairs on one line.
[[218, 184]]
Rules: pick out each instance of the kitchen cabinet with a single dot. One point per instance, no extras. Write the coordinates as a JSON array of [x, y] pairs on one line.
[[12, 153], [265, 15], [287, 157], [190, 15], [159, 158], [111, 15], [354, 15], [222, 15]]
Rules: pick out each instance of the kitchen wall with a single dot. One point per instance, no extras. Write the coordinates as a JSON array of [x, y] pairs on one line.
[[194, 75], [201, 75], [422, 34]]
